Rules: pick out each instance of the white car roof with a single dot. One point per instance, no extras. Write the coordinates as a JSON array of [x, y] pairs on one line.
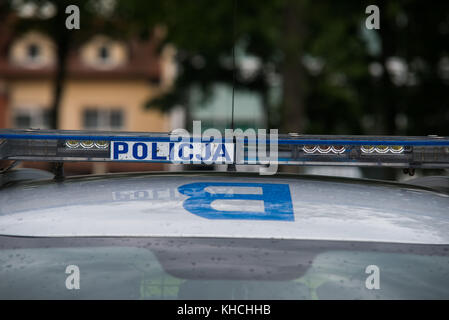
[[222, 205]]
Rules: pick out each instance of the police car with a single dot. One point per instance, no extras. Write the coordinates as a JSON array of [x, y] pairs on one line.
[[221, 235]]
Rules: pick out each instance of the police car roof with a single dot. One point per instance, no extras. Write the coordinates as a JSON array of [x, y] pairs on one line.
[[222, 205]]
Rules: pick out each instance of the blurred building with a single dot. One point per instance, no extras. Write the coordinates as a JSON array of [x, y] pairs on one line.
[[107, 84]]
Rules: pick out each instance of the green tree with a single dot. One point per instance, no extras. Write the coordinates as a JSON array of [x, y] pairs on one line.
[[337, 77]]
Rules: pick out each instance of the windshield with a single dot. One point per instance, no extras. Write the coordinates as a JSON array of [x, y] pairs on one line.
[[202, 268]]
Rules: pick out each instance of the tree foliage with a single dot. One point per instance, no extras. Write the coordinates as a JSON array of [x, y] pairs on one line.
[[347, 79]]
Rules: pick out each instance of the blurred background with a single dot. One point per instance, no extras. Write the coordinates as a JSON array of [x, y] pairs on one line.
[[301, 66]]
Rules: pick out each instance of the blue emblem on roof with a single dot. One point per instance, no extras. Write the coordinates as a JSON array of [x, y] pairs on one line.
[[276, 199]]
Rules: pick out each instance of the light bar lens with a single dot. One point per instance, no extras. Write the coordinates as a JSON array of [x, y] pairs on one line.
[[396, 149], [72, 144], [102, 144], [382, 149], [88, 144], [310, 149]]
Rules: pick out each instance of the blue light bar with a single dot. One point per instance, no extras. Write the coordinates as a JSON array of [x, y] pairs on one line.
[[65, 145]]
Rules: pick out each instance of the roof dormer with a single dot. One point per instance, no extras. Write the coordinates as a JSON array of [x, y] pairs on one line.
[[32, 50], [104, 53]]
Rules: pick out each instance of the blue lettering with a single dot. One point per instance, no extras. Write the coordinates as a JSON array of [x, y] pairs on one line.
[[170, 153], [143, 149], [207, 154], [221, 152], [181, 151], [276, 198], [154, 155], [119, 148]]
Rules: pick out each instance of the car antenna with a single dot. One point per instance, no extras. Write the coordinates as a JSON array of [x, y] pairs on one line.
[[231, 166]]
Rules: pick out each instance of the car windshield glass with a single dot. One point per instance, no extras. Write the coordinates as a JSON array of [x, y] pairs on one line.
[[179, 268]]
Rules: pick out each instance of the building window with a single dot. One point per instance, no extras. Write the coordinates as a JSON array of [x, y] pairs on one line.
[[23, 121], [33, 52], [103, 119], [32, 118], [103, 53], [116, 119]]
